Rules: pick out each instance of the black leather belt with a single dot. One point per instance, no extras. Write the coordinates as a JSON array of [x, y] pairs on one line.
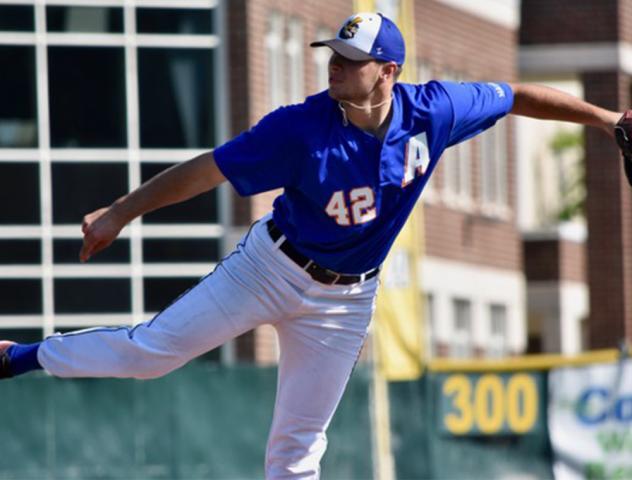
[[318, 273]]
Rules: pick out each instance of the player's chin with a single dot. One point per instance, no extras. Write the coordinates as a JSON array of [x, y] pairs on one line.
[[336, 93]]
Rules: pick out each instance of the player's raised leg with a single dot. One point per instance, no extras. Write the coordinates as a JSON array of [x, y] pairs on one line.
[[246, 290]]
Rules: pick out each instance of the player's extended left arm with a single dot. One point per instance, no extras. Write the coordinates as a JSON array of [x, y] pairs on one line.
[[546, 103], [538, 101]]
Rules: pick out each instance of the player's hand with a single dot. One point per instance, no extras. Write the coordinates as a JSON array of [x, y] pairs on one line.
[[100, 228], [623, 135]]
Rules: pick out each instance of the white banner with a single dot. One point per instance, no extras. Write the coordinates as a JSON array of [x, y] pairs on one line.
[[590, 421]]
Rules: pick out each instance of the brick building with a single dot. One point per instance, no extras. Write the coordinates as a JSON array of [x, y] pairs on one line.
[[588, 43], [151, 63]]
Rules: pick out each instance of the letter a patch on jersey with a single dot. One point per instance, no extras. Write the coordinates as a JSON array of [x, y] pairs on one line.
[[416, 158]]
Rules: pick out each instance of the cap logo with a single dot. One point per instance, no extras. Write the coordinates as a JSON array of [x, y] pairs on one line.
[[350, 28]]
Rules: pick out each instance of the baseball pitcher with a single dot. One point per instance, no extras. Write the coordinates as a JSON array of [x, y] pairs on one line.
[[352, 161]]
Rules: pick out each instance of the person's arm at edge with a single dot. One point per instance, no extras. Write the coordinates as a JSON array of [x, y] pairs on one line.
[[176, 184], [538, 101]]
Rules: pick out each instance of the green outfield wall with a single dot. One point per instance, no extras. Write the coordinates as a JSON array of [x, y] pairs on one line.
[[464, 421], [201, 422]]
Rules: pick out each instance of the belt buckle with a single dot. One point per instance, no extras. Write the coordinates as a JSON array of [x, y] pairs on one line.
[[336, 276]]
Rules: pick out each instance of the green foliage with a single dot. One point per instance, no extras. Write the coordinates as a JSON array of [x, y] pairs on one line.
[[573, 181]]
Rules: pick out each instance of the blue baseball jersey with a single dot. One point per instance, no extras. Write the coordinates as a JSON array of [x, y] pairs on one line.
[[346, 194]]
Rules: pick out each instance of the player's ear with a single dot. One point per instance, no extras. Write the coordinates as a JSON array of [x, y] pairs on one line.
[[389, 70]]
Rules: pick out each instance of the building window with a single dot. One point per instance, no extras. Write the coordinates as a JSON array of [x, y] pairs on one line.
[[18, 99], [161, 250], [457, 161], [87, 96], [66, 251], [176, 97], [274, 50], [123, 97], [16, 18], [84, 19], [80, 188], [461, 346], [295, 63], [457, 181], [20, 296], [20, 181], [190, 21], [493, 154], [497, 346], [88, 295], [430, 333], [20, 252], [321, 61], [424, 71]]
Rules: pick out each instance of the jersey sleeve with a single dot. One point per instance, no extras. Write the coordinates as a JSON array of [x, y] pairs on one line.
[[260, 159], [476, 107]]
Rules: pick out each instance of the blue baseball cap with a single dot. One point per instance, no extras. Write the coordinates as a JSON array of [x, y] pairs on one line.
[[368, 36]]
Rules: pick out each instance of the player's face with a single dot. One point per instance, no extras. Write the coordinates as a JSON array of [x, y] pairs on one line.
[[350, 80]]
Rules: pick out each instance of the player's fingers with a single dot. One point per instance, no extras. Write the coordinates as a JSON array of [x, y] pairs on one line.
[[85, 253], [88, 247]]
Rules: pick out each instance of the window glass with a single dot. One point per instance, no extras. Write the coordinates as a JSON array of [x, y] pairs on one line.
[[20, 296], [424, 71], [180, 250], [87, 96], [493, 145], [16, 252], [17, 18], [457, 160], [88, 295], [275, 60], [498, 331], [201, 209], [171, 20], [321, 60], [18, 98], [22, 335], [176, 98], [431, 334], [462, 335], [80, 188], [19, 184], [159, 293], [67, 251], [84, 19], [294, 52]]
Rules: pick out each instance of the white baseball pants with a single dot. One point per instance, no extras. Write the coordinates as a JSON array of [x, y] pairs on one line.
[[321, 329]]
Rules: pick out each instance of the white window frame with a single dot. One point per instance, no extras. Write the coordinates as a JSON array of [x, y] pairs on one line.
[[320, 58], [132, 155], [462, 343], [295, 61], [497, 345], [276, 69], [457, 167], [494, 159], [430, 331]]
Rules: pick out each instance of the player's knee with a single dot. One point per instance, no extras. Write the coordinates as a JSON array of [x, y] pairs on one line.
[[151, 372], [148, 367]]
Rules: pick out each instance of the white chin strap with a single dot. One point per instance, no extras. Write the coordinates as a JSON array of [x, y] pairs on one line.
[[368, 108]]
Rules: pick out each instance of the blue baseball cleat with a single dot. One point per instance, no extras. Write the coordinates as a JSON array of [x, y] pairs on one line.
[[5, 370]]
